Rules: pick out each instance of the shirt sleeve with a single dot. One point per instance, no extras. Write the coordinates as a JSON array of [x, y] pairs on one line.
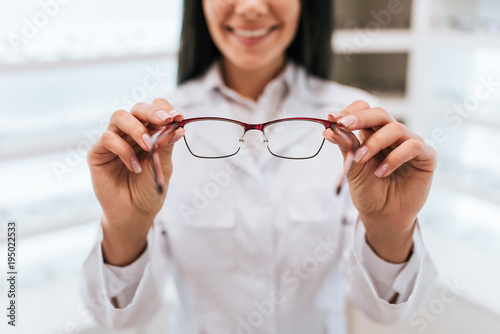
[[122, 282], [392, 281], [386, 292], [121, 297]]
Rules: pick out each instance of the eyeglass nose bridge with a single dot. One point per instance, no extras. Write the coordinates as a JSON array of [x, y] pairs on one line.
[[264, 138]]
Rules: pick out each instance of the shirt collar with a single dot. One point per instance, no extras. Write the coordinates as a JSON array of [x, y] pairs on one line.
[[213, 81]]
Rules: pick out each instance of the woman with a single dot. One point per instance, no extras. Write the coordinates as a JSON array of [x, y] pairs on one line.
[[255, 243]]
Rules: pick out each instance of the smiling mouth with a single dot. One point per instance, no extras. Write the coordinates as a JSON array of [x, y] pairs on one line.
[[252, 33]]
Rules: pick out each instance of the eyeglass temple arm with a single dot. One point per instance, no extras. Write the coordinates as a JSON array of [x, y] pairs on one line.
[[155, 159], [157, 170], [348, 158]]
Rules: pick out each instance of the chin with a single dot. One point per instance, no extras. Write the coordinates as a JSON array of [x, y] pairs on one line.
[[249, 62]]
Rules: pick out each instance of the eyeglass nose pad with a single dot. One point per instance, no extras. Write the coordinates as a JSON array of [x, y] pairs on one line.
[[242, 140], [264, 139]]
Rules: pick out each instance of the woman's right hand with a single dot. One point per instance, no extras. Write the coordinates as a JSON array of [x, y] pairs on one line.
[[123, 178]]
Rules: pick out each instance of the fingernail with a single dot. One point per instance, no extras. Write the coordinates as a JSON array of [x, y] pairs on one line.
[[381, 170], [147, 140], [347, 120], [336, 114], [360, 153], [163, 115], [174, 113], [136, 166]]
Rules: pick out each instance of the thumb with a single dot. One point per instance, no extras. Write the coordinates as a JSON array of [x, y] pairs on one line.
[[348, 144], [167, 138], [171, 133], [162, 153]]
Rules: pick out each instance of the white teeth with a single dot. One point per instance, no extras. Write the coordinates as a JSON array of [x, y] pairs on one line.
[[252, 33]]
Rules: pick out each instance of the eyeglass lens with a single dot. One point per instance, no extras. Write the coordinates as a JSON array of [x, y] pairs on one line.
[[294, 139]]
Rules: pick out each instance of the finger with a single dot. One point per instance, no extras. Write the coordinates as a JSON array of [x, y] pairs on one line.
[[130, 125], [162, 153], [153, 114], [364, 134], [412, 151], [176, 114], [350, 109], [115, 144], [389, 134], [346, 141], [365, 119], [170, 136], [165, 141]]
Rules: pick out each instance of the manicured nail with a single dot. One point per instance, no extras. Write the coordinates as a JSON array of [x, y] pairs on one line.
[[381, 170], [163, 115], [174, 113], [147, 140], [136, 166], [336, 114], [347, 120], [360, 153]]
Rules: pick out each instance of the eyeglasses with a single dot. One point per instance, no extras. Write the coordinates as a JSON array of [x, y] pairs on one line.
[[296, 138]]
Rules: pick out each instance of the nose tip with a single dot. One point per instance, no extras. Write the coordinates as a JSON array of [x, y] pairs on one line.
[[251, 8]]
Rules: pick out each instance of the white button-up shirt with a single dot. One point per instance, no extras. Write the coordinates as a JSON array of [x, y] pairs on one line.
[[255, 243]]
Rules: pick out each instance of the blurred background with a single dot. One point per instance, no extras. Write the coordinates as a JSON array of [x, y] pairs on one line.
[[65, 66]]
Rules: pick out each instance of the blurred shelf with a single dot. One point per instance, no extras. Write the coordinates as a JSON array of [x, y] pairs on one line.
[[44, 141], [460, 263], [451, 184], [495, 125], [48, 192], [462, 39], [461, 233], [33, 66], [436, 114], [397, 106], [384, 41]]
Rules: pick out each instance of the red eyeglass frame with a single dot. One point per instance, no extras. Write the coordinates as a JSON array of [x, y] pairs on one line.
[[337, 128]]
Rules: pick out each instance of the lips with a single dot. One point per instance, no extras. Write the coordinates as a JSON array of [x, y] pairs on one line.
[[252, 33], [251, 36]]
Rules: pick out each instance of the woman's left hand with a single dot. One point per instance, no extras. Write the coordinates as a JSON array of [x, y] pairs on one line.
[[390, 177]]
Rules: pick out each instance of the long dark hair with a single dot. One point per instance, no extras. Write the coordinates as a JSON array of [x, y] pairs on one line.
[[311, 47]]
